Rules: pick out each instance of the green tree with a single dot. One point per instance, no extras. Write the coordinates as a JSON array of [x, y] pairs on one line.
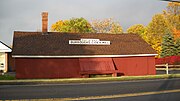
[[168, 46], [177, 45], [74, 25], [107, 26]]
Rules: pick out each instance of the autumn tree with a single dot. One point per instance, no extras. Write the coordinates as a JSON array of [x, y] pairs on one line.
[[155, 30], [107, 26], [168, 21], [140, 30], [173, 8], [74, 25], [159, 25], [168, 46], [172, 15]]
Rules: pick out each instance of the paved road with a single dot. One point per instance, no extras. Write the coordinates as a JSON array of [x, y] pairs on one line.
[[158, 97], [8, 92]]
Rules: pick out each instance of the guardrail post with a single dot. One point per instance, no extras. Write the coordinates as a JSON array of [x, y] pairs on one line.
[[167, 72]]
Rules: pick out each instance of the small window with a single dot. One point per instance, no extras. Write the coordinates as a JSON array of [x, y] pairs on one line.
[[2, 65]]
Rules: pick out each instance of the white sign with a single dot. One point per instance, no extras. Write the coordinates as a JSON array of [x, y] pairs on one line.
[[89, 42]]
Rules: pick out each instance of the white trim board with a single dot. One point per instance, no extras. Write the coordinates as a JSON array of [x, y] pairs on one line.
[[81, 56], [4, 48]]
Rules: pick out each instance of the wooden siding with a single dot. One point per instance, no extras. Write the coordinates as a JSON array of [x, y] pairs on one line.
[[47, 68], [71, 68], [134, 66], [96, 64]]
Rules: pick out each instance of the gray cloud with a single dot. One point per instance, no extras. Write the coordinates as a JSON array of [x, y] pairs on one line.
[[25, 14]]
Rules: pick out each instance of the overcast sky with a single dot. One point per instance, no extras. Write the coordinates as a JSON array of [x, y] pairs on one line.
[[25, 15]]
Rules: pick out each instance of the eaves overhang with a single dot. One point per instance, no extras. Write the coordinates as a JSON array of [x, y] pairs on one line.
[[81, 56]]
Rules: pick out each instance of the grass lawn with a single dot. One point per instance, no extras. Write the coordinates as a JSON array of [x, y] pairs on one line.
[[6, 79]]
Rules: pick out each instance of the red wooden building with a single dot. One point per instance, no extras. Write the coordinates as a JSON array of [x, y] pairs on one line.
[[73, 55], [51, 55]]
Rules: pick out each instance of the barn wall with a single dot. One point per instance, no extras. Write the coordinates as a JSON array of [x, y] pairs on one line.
[[47, 68], [71, 68], [151, 66], [134, 66]]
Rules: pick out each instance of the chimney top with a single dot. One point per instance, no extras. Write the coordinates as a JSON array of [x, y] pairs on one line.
[[44, 13], [44, 22]]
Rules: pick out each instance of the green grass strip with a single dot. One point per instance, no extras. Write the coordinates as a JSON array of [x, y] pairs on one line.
[[7, 77], [87, 80]]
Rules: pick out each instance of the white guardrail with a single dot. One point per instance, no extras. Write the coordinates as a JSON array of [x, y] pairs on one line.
[[172, 67]]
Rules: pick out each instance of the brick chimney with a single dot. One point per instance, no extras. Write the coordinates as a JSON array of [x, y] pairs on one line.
[[44, 22]]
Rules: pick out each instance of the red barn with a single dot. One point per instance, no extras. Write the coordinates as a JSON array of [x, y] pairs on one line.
[[68, 55], [73, 55]]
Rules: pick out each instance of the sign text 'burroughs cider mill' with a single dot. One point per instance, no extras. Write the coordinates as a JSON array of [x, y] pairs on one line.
[[89, 42]]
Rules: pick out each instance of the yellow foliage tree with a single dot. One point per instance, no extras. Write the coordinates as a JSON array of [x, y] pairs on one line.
[[176, 33], [74, 25], [155, 30], [161, 23], [173, 17], [140, 30]]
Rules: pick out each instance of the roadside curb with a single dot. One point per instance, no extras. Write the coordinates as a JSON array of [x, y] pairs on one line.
[[86, 80]]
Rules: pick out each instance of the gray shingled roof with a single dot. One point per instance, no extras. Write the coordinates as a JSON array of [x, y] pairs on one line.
[[57, 44]]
